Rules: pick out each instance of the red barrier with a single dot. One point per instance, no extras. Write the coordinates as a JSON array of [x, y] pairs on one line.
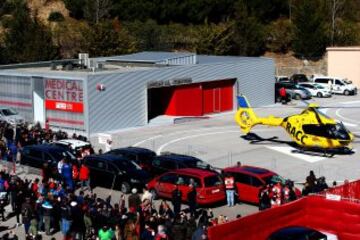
[[338, 217], [348, 191]]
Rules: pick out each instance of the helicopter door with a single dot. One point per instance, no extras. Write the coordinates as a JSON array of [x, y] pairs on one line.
[[217, 99]]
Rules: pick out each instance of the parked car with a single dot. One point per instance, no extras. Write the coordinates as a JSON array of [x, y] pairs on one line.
[[295, 90], [298, 78], [300, 233], [209, 185], [316, 90], [171, 161], [37, 155], [142, 156], [115, 172], [73, 145], [11, 116], [337, 85], [282, 79], [249, 180]]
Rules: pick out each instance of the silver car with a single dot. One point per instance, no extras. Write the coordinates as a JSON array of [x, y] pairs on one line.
[[11, 116]]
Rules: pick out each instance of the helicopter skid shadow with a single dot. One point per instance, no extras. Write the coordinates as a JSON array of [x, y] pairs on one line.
[[253, 138]]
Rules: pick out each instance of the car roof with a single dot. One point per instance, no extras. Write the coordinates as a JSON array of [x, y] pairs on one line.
[[106, 157], [133, 150], [178, 157], [73, 142], [250, 170], [195, 172], [46, 147]]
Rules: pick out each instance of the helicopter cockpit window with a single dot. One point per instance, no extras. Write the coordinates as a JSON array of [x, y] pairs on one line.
[[332, 131]]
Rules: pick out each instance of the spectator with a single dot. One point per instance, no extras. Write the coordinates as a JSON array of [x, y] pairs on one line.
[[176, 200], [134, 200], [26, 213], [191, 197], [230, 190], [84, 177], [161, 234]]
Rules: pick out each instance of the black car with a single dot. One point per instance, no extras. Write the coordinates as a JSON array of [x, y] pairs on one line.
[[142, 156], [37, 155], [115, 172], [297, 78], [170, 161], [297, 233]]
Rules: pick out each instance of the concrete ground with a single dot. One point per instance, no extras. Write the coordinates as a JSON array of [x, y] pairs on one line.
[[218, 141]]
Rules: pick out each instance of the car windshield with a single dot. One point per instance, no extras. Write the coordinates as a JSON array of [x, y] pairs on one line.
[[274, 179], [196, 164], [317, 86], [58, 155], [213, 181], [8, 112], [127, 164]]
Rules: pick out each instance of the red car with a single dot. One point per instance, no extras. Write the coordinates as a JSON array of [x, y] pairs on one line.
[[209, 185], [249, 180]]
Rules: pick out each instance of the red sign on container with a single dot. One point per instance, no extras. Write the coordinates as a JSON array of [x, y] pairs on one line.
[[64, 106]]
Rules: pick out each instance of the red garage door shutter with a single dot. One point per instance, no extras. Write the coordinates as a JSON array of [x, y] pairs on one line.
[[185, 101], [217, 96]]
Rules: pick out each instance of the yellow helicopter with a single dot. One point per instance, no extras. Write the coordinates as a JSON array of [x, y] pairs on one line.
[[310, 130]]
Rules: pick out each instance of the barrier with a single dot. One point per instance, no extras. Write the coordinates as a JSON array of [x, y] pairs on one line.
[[338, 217]]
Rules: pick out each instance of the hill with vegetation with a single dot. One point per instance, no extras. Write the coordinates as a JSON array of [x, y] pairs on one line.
[[34, 30]]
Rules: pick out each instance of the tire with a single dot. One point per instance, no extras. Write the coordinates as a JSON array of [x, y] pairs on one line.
[[346, 92], [319, 94], [154, 194], [125, 187], [297, 96]]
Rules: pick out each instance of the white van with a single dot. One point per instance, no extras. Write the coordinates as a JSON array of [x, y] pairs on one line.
[[336, 84]]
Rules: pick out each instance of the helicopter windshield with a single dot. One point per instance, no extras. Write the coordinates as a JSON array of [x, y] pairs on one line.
[[332, 131]]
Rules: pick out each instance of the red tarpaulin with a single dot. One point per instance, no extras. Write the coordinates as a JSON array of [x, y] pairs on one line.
[[338, 217]]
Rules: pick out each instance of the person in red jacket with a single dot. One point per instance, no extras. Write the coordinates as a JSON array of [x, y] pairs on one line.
[[282, 93], [84, 176], [230, 190]]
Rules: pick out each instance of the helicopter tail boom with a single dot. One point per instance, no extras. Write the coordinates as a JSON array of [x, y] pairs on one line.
[[246, 117]]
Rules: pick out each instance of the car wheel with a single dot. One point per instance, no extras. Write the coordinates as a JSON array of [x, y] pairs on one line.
[[346, 93], [319, 94], [297, 96], [154, 194], [125, 187]]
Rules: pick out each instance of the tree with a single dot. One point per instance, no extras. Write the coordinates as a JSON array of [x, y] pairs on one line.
[[96, 10], [249, 38], [76, 8], [279, 35], [108, 38], [26, 39], [310, 36], [214, 38]]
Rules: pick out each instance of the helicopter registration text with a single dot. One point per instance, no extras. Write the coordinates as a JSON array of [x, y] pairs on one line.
[[298, 135]]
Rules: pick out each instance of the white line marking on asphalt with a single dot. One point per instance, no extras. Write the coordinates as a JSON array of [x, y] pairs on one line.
[[191, 136], [345, 118], [182, 132], [351, 102], [349, 124], [289, 151]]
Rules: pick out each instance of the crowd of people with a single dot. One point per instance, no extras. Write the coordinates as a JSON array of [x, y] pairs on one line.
[[47, 206], [64, 202]]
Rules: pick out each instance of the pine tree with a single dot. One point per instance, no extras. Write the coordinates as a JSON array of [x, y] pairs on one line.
[[26, 39], [310, 36]]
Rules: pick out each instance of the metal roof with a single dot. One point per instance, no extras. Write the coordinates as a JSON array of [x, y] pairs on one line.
[[152, 57]]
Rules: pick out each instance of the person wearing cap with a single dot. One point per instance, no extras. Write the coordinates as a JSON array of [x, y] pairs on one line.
[[134, 200]]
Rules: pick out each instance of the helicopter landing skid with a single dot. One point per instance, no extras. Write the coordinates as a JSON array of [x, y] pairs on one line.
[[328, 153], [254, 138]]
